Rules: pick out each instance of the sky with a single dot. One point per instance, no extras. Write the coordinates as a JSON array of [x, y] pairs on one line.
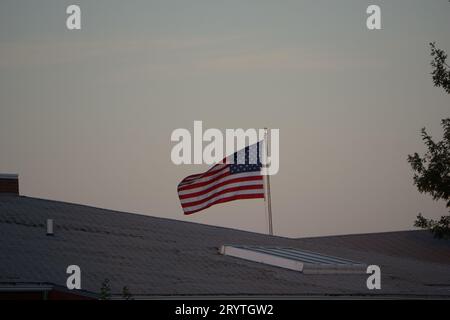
[[86, 115]]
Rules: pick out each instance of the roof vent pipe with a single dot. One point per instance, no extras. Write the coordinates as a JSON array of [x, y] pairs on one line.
[[50, 227]]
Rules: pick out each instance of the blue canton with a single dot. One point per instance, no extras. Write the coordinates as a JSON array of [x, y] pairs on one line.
[[247, 160]]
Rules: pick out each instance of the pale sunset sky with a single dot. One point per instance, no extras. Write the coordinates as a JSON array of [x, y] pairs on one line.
[[86, 116]]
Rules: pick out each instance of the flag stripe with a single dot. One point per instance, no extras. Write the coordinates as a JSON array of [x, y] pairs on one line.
[[203, 182], [239, 177], [227, 199], [200, 200], [209, 173], [217, 167], [244, 181]]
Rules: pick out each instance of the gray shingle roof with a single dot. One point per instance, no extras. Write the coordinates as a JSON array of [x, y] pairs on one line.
[[161, 257]]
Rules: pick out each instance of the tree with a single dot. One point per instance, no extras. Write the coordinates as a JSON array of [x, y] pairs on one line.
[[432, 176], [441, 70], [105, 290], [126, 294], [432, 171]]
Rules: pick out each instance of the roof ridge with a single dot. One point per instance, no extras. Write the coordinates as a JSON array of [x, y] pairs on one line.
[[362, 234], [136, 214]]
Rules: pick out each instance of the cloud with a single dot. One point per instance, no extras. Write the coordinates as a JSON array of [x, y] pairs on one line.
[[287, 59], [123, 60], [38, 54]]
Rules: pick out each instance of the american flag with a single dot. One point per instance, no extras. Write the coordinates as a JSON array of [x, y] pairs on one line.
[[236, 177]]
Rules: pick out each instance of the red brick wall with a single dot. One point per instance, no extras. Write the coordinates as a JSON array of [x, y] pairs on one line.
[[9, 185], [50, 295]]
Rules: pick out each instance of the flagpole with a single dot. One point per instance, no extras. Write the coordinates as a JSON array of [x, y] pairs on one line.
[[267, 198]]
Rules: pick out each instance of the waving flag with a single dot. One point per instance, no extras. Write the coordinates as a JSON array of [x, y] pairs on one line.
[[237, 177]]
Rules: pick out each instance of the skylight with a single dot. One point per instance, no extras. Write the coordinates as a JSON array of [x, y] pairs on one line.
[[294, 259]]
